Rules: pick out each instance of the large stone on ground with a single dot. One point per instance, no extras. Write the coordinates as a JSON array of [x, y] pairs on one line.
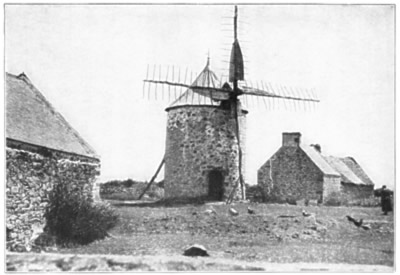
[[196, 250]]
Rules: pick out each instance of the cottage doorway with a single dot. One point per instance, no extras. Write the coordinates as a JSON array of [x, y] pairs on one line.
[[215, 185]]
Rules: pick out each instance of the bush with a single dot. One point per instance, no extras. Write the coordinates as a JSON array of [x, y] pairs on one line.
[[130, 190], [74, 219], [254, 193], [155, 193], [291, 201], [365, 202]]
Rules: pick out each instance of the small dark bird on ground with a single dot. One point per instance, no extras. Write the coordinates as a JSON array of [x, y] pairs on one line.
[[306, 214], [250, 211], [358, 223]]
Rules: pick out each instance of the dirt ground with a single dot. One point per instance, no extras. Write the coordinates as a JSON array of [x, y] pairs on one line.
[[51, 262], [273, 234]]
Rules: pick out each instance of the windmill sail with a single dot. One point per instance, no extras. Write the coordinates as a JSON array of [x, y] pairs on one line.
[[258, 92], [236, 66], [208, 89]]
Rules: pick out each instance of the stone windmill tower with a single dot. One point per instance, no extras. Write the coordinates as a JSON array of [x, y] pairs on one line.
[[205, 144]]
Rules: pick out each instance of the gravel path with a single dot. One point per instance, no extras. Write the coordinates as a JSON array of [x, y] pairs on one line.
[[44, 262]]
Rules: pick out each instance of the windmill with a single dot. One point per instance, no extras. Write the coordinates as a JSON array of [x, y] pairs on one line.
[[224, 98]]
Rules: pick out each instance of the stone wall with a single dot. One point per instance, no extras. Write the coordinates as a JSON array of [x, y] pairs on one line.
[[331, 185], [352, 192], [201, 139], [29, 181], [290, 174]]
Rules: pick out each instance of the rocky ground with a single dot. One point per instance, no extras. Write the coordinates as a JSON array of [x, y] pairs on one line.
[[272, 235], [74, 263]]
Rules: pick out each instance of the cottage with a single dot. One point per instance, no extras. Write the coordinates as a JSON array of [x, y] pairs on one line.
[[42, 149], [297, 171]]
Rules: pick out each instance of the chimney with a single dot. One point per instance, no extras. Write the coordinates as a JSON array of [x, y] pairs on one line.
[[291, 139], [317, 147]]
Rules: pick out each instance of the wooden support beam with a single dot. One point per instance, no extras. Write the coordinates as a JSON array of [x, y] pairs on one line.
[[153, 178]]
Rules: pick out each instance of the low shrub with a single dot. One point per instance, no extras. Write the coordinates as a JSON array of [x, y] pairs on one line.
[[155, 193], [74, 219], [254, 193], [291, 201], [130, 190], [365, 202]]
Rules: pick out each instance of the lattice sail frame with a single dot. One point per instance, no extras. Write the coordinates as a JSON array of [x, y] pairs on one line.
[[207, 87]]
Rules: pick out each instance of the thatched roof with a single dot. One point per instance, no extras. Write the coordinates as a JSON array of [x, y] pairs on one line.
[[347, 168], [319, 161], [357, 170], [346, 173], [31, 119]]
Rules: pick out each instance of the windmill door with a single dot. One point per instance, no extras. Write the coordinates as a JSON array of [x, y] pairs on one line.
[[215, 185]]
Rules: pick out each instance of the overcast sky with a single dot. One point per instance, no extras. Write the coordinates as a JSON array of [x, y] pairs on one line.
[[89, 62]]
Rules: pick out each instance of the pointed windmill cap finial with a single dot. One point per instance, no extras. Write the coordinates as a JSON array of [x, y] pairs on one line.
[[208, 59], [236, 65]]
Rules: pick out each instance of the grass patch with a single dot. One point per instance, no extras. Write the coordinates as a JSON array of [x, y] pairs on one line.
[[328, 238]]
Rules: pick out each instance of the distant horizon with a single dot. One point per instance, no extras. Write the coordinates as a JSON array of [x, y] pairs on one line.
[[89, 62]]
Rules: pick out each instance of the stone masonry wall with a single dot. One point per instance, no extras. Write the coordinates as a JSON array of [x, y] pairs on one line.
[[201, 139], [290, 174], [353, 192], [29, 181], [331, 185]]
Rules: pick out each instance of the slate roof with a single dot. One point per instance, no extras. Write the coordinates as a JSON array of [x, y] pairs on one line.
[[30, 118]]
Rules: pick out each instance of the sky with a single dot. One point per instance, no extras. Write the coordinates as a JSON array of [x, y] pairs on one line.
[[89, 61]]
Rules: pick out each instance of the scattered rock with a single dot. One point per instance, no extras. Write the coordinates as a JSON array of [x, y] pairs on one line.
[[250, 211], [196, 250], [306, 214], [210, 211], [233, 212]]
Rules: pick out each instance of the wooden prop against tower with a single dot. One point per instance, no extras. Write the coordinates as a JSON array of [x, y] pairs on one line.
[[227, 92]]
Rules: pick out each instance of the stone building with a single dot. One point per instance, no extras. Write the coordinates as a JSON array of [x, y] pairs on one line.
[[297, 171], [42, 150], [201, 157]]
